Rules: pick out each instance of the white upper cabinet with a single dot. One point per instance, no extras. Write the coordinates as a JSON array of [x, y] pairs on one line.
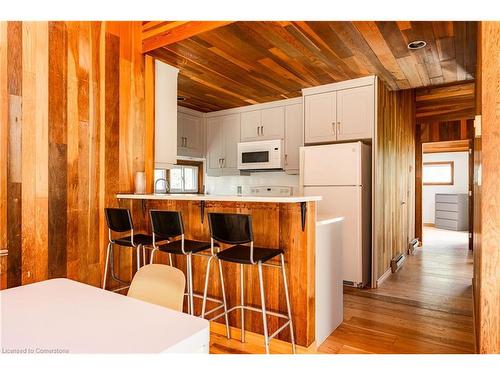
[[223, 135], [340, 111], [355, 113], [231, 137], [189, 135], [293, 136], [165, 115], [251, 123], [263, 124], [320, 118], [273, 123], [214, 146]]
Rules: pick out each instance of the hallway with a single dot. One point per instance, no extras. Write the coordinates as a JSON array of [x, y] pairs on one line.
[[426, 307]]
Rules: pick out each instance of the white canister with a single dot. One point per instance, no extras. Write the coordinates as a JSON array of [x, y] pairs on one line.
[[140, 182]]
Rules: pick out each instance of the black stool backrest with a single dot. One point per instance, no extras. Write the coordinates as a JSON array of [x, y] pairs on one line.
[[119, 219], [166, 223], [234, 229]]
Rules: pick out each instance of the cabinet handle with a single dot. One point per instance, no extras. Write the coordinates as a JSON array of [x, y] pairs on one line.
[[286, 159], [185, 142], [223, 162], [334, 129], [220, 163], [262, 130], [338, 128], [258, 130]]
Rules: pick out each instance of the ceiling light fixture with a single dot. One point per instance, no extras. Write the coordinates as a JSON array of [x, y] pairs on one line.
[[417, 44]]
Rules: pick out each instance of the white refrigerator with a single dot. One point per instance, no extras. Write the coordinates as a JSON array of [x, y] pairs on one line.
[[341, 174]]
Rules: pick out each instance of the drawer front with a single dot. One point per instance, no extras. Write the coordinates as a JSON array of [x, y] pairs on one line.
[[446, 224], [450, 215], [446, 207], [446, 198]]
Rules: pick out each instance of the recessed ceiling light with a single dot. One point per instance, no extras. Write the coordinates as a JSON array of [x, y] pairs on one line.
[[417, 44], [181, 98]]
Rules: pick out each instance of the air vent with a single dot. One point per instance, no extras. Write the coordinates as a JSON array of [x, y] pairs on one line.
[[417, 44]]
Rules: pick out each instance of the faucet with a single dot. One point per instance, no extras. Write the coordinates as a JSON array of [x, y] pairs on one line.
[[167, 187]]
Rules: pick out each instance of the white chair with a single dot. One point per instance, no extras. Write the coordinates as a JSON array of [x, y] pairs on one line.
[[159, 284]]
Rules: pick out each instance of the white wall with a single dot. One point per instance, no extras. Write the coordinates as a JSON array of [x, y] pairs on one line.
[[227, 185], [460, 186]]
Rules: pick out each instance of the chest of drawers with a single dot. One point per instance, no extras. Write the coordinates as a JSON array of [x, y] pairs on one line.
[[452, 211]]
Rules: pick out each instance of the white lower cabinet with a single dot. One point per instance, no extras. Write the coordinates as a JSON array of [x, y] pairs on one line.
[[293, 137], [223, 135]]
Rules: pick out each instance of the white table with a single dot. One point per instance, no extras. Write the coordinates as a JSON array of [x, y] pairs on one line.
[[68, 316]]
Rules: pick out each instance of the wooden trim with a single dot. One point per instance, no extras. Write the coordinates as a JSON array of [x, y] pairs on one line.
[[173, 32], [451, 163], [429, 225], [446, 146]]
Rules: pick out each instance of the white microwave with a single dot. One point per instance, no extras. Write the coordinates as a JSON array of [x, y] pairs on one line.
[[261, 155]]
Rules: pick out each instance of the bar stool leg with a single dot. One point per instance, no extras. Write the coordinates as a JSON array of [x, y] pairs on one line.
[[287, 302], [190, 291], [263, 303], [138, 250], [170, 259], [242, 302], [106, 266], [228, 333], [144, 255], [152, 256], [207, 273], [188, 287]]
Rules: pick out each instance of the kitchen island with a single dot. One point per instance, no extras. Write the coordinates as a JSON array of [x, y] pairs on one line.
[[278, 222]]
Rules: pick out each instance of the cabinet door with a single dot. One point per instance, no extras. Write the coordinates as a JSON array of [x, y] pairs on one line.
[[273, 123], [355, 113], [214, 146], [250, 125], [231, 137], [293, 136], [192, 136], [320, 115]]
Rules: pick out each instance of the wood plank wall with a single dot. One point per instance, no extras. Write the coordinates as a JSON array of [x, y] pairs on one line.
[[393, 222], [487, 246], [72, 133], [445, 103]]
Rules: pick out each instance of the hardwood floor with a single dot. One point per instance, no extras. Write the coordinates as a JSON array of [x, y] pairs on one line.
[[426, 307]]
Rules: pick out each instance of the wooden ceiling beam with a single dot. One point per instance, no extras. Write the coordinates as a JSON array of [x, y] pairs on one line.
[[160, 34]]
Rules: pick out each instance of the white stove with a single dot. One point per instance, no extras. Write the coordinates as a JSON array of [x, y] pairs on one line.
[[271, 191]]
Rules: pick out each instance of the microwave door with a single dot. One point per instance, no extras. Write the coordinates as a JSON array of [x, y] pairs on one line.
[[252, 157]]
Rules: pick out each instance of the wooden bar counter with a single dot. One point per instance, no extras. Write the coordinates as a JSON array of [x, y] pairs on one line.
[[278, 222]]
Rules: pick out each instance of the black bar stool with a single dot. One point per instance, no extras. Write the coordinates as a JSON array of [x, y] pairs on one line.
[[119, 220], [169, 224], [236, 229]]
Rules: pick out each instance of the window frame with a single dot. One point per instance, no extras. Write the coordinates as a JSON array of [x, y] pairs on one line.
[[451, 163], [184, 190]]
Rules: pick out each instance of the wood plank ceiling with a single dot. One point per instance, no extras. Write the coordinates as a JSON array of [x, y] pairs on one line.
[[245, 63]]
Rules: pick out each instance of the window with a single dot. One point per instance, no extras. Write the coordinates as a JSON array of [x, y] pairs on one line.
[[438, 173], [183, 179]]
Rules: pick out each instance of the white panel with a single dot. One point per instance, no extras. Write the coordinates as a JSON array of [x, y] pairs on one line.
[[329, 285], [165, 115], [346, 202], [231, 136], [214, 146], [338, 164], [293, 136]]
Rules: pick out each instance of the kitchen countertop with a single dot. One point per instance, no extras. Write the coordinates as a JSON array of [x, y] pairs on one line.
[[324, 220], [222, 198]]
